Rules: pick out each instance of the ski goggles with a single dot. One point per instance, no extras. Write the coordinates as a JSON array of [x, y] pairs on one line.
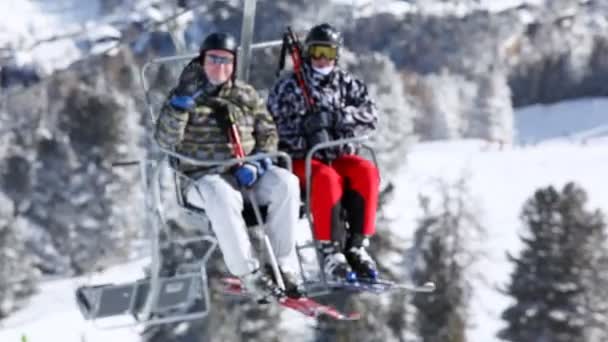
[[215, 59], [319, 51]]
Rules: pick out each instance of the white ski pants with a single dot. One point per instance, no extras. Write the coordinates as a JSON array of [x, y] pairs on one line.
[[223, 204]]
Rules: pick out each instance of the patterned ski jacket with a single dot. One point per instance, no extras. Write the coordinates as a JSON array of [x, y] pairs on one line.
[[198, 134], [340, 95]]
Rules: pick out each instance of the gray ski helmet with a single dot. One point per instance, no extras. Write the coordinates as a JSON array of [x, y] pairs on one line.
[[220, 41]]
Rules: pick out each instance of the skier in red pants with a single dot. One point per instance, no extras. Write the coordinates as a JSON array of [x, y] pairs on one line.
[[341, 180]]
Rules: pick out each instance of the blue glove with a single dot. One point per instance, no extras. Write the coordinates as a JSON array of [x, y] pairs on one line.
[[182, 102], [265, 163], [247, 174]]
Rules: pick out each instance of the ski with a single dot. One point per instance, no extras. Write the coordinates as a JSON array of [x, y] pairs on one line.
[[304, 305], [379, 286]]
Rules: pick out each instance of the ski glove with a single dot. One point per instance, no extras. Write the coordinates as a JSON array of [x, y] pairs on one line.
[[182, 102], [265, 163], [345, 120], [317, 126], [248, 173], [224, 111], [318, 120]]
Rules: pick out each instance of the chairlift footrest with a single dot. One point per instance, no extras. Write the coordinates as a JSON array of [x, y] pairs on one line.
[[174, 293]]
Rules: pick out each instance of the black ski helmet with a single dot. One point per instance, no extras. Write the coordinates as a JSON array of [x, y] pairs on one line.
[[220, 41], [324, 34]]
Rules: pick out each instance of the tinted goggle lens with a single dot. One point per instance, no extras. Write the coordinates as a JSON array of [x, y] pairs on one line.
[[327, 51], [215, 59]]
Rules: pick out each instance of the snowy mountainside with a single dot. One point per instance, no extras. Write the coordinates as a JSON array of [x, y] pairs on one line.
[[50, 36], [365, 8], [500, 180]]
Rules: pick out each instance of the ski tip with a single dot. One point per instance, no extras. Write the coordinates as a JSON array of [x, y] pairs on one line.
[[355, 316], [429, 286]]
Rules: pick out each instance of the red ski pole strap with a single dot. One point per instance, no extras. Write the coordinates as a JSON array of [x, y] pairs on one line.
[[235, 140]]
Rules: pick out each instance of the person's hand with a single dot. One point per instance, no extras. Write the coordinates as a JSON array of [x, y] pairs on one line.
[[182, 102], [224, 110], [265, 163], [317, 127], [316, 121], [248, 173]]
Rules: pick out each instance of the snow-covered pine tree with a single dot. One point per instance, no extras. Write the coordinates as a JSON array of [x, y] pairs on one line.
[[76, 123], [445, 100], [441, 254], [16, 273], [549, 284], [491, 116], [596, 283], [395, 132]]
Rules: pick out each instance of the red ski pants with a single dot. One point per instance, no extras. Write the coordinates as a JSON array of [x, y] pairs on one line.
[[350, 182]]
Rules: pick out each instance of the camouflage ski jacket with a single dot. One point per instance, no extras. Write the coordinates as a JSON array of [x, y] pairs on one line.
[[198, 134], [340, 94]]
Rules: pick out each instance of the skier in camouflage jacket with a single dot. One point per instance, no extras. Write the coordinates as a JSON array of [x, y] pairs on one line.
[[194, 121], [340, 178]]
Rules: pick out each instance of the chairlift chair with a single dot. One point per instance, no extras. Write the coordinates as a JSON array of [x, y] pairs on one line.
[[160, 299]]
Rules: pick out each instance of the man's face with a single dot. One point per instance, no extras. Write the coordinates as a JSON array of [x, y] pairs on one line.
[[218, 66]]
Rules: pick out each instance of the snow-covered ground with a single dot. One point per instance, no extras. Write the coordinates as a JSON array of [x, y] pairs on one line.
[[575, 120], [52, 314], [500, 181]]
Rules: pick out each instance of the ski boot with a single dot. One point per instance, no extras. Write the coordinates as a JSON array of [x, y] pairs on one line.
[[335, 265], [261, 286], [359, 259], [290, 279]]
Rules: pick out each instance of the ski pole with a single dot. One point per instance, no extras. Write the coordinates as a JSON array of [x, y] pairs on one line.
[[237, 149], [294, 46]]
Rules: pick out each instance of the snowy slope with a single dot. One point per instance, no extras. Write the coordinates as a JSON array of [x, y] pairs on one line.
[[500, 182], [575, 120], [52, 314]]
